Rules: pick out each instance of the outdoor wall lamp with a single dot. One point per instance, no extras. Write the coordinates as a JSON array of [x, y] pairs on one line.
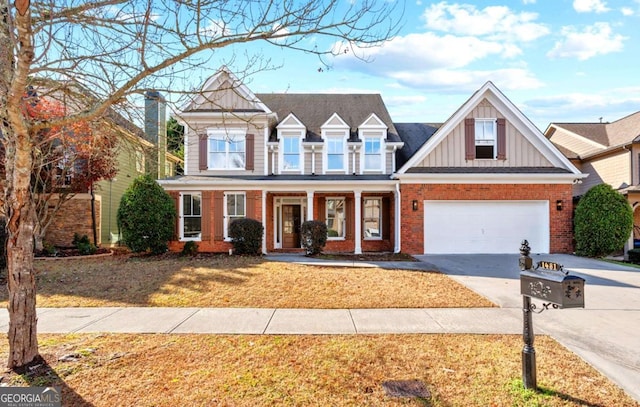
[[414, 204], [559, 205]]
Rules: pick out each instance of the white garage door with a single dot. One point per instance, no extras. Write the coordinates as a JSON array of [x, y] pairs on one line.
[[485, 226]]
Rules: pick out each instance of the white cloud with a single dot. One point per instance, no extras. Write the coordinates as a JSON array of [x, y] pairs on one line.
[[528, 1], [627, 11], [468, 80], [496, 22], [597, 39], [589, 6]]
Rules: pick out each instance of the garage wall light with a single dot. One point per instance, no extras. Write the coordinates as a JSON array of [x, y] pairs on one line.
[[414, 205], [559, 205]]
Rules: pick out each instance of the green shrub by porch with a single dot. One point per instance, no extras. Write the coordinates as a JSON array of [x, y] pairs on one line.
[[314, 236], [603, 222], [146, 216], [246, 236]]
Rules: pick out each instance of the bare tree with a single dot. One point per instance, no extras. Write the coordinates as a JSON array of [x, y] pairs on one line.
[[120, 48]]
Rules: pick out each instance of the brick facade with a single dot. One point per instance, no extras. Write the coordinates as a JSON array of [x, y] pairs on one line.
[[561, 223], [74, 216]]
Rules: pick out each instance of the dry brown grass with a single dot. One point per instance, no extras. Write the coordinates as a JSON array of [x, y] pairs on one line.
[[233, 281], [202, 370]]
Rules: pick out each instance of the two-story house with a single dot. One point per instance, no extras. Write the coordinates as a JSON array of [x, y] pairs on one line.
[[608, 152], [480, 182]]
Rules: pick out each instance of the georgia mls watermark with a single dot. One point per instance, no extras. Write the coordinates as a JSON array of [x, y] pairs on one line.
[[30, 397]]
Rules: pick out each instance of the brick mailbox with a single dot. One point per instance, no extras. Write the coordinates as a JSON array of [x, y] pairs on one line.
[[547, 282]]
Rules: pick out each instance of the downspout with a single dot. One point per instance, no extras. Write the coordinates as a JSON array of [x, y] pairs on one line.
[[398, 212]]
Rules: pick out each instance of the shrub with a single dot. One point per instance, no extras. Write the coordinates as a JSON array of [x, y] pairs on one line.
[[83, 244], [190, 249], [246, 236], [146, 216], [314, 236], [603, 222], [634, 256]]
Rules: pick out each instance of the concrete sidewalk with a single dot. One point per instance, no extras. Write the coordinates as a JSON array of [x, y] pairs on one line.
[[276, 321]]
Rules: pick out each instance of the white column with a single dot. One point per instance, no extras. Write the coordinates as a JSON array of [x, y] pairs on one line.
[[264, 222], [398, 213], [309, 205], [358, 231]]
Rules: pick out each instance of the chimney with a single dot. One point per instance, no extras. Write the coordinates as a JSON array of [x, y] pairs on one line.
[[155, 131]]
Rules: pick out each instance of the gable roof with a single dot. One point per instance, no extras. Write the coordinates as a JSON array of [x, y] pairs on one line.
[[314, 109], [511, 113]]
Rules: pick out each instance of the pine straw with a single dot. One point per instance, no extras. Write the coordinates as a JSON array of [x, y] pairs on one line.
[[203, 370], [234, 281]]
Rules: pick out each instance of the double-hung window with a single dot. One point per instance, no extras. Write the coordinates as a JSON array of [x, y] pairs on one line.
[[191, 216], [226, 150], [372, 218], [485, 134], [336, 220], [234, 208], [291, 153], [335, 153], [373, 154]]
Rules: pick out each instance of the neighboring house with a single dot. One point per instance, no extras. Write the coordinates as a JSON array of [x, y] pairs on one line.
[[139, 152], [480, 183], [608, 152]]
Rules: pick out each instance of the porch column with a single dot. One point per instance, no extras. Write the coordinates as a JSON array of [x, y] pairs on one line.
[[358, 232], [310, 205], [264, 222], [397, 220]]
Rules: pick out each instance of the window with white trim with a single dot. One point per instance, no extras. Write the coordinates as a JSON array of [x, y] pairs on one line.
[[372, 218], [190, 216], [336, 219], [335, 153], [140, 160], [373, 154], [291, 153], [226, 150], [486, 136], [234, 208]]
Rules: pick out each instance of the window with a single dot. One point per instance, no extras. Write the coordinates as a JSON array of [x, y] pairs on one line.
[[335, 153], [291, 153], [372, 222], [234, 208], [227, 151], [139, 160], [485, 135], [191, 216], [336, 221], [372, 154]]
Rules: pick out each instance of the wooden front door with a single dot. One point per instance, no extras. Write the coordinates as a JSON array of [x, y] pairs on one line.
[[291, 221]]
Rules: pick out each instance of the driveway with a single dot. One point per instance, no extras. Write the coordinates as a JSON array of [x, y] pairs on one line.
[[606, 333]]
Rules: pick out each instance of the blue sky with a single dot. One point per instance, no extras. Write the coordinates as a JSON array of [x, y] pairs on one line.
[[556, 60]]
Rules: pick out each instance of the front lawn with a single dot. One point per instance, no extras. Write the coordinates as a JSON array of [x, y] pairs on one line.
[[235, 281]]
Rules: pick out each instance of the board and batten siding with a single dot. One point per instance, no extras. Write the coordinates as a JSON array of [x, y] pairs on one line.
[[614, 168], [451, 150], [192, 145]]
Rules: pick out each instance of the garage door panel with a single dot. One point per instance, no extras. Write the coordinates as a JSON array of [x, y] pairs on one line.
[[485, 226]]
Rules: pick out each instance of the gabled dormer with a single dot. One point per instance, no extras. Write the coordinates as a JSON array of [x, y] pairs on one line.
[[290, 132], [372, 133], [335, 134]]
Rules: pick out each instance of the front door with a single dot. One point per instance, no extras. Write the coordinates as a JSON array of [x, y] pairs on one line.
[[291, 226]]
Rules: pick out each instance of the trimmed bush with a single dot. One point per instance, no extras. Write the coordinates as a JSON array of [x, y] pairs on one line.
[[83, 244], [634, 256], [146, 216], [190, 248], [603, 222], [314, 236], [246, 236]]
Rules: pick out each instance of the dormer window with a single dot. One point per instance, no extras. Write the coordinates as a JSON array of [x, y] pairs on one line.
[[372, 153], [335, 133], [335, 153], [291, 153], [373, 133]]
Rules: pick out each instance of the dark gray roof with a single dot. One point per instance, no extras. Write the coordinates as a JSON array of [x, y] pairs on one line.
[[414, 135], [314, 109], [488, 170]]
